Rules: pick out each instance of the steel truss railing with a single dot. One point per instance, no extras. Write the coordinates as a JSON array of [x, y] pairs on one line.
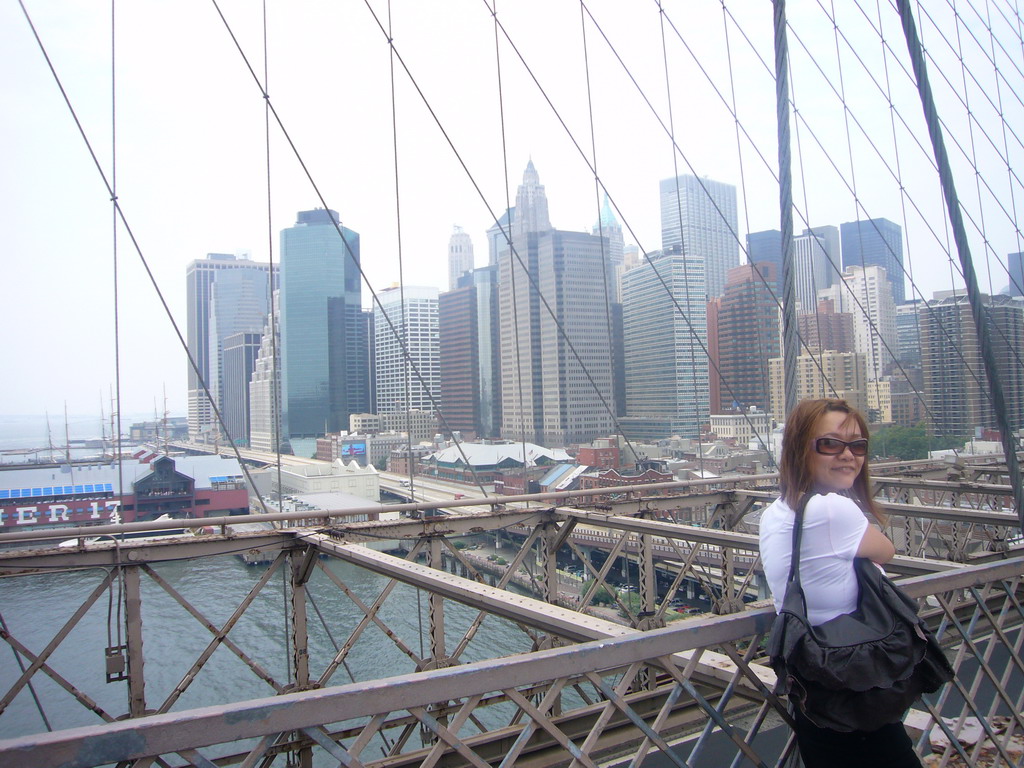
[[600, 701], [697, 685]]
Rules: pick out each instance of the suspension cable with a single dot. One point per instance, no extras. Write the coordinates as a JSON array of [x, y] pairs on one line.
[[978, 309]]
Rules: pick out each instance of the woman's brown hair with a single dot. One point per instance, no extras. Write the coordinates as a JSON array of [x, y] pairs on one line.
[[795, 477]]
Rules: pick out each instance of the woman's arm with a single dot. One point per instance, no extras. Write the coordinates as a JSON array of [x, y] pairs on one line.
[[875, 546]]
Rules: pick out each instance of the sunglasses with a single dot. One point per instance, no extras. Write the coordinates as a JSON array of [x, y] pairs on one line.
[[833, 446]]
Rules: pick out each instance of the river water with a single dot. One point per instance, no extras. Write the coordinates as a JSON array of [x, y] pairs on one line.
[[33, 608]]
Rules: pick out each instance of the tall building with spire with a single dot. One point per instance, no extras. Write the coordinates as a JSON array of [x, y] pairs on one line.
[[698, 218], [265, 429], [460, 256], [608, 226], [556, 351], [324, 371]]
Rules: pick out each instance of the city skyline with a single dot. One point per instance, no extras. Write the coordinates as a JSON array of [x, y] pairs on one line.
[[192, 175]]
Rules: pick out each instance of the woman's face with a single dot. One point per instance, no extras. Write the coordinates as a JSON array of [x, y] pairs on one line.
[[837, 472]]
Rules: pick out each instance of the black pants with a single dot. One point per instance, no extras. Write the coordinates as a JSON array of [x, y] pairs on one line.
[[888, 747]]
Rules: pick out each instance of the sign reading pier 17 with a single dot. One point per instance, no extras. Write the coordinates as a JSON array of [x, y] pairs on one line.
[[72, 512]]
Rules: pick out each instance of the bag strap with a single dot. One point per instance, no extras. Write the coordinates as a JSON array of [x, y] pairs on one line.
[[798, 531]]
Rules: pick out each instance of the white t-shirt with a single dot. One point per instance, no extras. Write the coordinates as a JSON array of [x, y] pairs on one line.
[[833, 528]]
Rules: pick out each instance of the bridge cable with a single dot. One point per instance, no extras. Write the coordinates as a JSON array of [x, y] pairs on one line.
[[927, 307], [508, 239], [827, 388], [121, 596], [789, 327], [337, 226], [276, 422], [925, 153], [131, 236], [1010, 347], [1014, 284], [665, 128], [978, 309], [115, 262], [762, 353], [866, 297], [625, 220], [771, 291], [821, 145], [682, 245], [605, 256], [404, 317], [893, 113]]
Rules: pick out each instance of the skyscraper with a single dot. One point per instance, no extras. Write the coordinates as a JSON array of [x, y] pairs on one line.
[[831, 243], [239, 354], [556, 357], [498, 235], [485, 282], [470, 360], [748, 336], [826, 374], [265, 429], [908, 336], [955, 382], [876, 242], [608, 226], [460, 256], [459, 361], [813, 267], [1015, 267], [238, 304], [867, 295], [765, 247], [698, 216], [413, 382], [665, 337], [825, 328], [323, 343]]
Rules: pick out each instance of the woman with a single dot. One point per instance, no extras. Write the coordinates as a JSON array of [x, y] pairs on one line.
[[824, 453]]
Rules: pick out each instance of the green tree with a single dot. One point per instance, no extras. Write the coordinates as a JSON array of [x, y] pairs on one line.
[[898, 442], [601, 597], [908, 443], [632, 601]]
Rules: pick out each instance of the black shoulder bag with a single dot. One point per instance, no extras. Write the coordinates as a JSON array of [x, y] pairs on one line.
[[861, 670]]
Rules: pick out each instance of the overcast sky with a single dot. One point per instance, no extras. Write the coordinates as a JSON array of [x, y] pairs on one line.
[[191, 157]]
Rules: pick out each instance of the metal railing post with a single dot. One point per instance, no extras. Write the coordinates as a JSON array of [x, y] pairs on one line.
[[136, 657]]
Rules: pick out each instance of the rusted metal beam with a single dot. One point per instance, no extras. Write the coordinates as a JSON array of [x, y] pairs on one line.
[[136, 654], [175, 732], [107, 554], [58, 638]]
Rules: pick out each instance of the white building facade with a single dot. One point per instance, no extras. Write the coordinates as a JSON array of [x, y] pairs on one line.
[[407, 316]]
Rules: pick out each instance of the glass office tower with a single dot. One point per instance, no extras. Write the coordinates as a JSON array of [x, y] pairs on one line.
[[324, 371]]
